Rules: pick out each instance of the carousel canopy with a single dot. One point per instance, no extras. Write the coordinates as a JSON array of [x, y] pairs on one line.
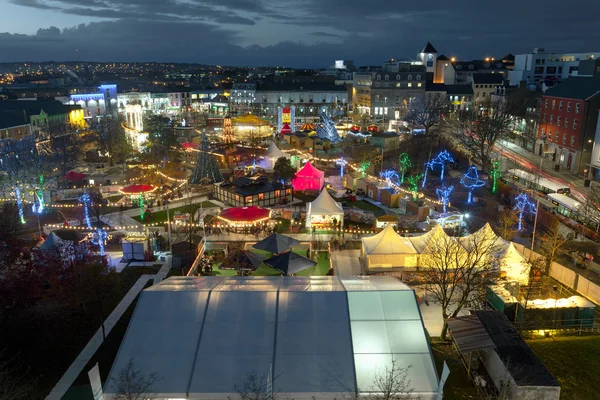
[[308, 178], [138, 189], [245, 214], [189, 145], [74, 176], [324, 205], [308, 127], [290, 263], [250, 119], [387, 242], [276, 243]]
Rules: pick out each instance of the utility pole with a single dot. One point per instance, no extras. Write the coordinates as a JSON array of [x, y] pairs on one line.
[[537, 210]]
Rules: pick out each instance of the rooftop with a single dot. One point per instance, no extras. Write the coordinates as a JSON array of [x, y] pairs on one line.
[[580, 88], [494, 79], [322, 336]]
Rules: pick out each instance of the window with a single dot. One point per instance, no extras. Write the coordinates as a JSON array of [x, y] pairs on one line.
[[398, 84], [543, 131], [560, 106], [409, 84], [566, 122], [277, 193], [546, 103], [248, 199], [577, 108], [418, 77], [553, 104], [551, 118], [261, 196], [550, 135], [558, 121], [398, 77], [419, 84], [574, 124], [544, 118], [378, 77], [387, 77], [569, 107], [409, 77], [556, 137], [572, 141], [564, 138]]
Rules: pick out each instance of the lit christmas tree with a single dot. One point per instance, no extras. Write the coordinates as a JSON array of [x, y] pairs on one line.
[[327, 130], [404, 164], [443, 194], [471, 181], [413, 184], [524, 205], [206, 168], [364, 167], [495, 173]]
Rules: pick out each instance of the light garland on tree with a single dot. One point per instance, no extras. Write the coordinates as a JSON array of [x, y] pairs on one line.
[[524, 205], [471, 181], [495, 173], [444, 194]]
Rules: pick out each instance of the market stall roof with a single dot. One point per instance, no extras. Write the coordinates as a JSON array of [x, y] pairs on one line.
[[285, 129], [308, 127], [275, 152], [387, 242], [290, 263], [324, 204], [249, 260], [138, 189], [74, 176], [484, 234], [308, 178], [276, 243], [248, 214], [469, 334], [51, 242]]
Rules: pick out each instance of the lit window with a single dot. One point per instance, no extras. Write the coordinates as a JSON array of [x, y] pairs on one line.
[[419, 84], [409, 84], [564, 138], [572, 141], [556, 137], [248, 199], [277, 193], [553, 104], [261, 196], [558, 121]]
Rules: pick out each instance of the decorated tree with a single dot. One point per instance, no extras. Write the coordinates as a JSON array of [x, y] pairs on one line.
[[364, 167], [413, 184], [471, 181], [327, 130], [391, 177], [524, 205], [283, 169], [441, 159], [206, 168], [443, 194], [342, 163], [404, 164], [495, 173]]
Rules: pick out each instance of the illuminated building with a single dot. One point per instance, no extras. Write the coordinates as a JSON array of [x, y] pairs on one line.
[[254, 191]]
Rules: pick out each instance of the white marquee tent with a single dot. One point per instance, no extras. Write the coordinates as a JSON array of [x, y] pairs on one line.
[[271, 156], [387, 251], [323, 337], [323, 209]]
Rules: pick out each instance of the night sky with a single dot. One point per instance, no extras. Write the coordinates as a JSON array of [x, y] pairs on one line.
[[297, 33]]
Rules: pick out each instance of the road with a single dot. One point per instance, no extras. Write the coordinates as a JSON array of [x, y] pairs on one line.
[[531, 163]]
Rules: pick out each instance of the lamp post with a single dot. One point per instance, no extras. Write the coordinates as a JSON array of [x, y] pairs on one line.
[[537, 208]]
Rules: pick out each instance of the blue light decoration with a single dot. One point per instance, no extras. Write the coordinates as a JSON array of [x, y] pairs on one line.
[[327, 130], [391, 177], [86, 200], [441, 159], [342, 163], [99, 238], [443, 194], [471, 181], [19, 203], [38, 204], [524, 205]]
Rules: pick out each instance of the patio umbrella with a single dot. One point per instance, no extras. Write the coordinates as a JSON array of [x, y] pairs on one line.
[[250, 260], [290, 263], [276, 243], [74, 176]]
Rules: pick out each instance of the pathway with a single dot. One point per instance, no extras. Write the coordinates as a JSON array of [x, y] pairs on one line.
[[93, 345]]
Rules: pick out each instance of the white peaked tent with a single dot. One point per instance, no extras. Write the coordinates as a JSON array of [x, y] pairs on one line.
[[420, 243], [323, 209], [487, 234], [272, 154], [514, 264], [387, 251]]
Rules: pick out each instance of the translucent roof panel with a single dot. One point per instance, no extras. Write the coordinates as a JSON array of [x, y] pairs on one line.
[[161, 338], [373, 283], [310, 284], [237, 340], [178, 283], [249, 283], [313, 342]]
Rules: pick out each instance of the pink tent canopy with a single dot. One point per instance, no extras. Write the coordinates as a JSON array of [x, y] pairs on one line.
[[308, 178]]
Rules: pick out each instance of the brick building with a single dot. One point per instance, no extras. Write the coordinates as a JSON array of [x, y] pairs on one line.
[[568, 119]]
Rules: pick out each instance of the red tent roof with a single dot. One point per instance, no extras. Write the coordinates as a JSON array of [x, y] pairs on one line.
[[245, 214], [74, 176], [286, 129], [137, 189]]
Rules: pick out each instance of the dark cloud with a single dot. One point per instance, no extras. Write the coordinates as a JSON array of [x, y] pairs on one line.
[[310, 32]]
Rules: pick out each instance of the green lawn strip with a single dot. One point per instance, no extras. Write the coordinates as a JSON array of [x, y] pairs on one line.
[[574, 361], [161, 216], [368, 206]]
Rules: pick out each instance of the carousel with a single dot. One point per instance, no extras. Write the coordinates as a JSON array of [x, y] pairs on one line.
[[244, 219], [138, 194]]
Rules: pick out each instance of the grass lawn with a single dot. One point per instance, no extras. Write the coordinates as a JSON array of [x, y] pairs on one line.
[[574, 361], [320, 269], [161, 216], [368, 206], [115, 198]]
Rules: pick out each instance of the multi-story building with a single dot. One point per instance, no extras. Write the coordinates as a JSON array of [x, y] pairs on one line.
[[94, 104], [461, 72], [242, 96], [540, 66], [309, 99], [13, 126], [460, 97], [484, 85], [568, 119]]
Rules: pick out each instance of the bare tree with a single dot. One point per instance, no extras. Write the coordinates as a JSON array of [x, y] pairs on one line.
[[552, 238], [506, 224], [257, 387], [392, 383], [455, 271], [110, 136], [481, 130], [426, 110], [13, 385], [132, 384]]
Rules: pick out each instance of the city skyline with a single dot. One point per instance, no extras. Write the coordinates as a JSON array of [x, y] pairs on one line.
[[308, 34]]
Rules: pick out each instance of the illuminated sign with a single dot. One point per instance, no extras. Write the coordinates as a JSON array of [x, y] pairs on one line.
[[555, 202], [286, 115]]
